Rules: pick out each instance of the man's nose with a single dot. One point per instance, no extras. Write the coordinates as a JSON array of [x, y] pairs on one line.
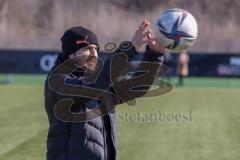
[[94, 52]]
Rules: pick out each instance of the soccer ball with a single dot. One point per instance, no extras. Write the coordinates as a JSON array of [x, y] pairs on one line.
[[177, 29]]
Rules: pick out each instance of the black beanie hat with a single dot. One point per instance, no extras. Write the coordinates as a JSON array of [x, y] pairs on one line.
[[76, 38]]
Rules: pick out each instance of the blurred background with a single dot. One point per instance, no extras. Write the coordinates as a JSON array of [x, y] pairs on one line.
[[30, 32], [40, 24]]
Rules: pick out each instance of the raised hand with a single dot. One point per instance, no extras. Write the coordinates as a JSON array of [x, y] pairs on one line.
[[154, 43], [143, 36], [139, 38]]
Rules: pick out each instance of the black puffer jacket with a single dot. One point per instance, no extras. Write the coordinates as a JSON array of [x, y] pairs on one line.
[[94, 139]]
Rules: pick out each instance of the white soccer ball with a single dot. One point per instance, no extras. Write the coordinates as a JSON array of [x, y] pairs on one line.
[[177, 29]]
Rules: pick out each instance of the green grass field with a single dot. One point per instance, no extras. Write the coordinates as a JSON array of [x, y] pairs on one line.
[[212, 132]]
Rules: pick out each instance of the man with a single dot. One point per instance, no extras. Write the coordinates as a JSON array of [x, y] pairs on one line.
[[68, 93], [182, 67]]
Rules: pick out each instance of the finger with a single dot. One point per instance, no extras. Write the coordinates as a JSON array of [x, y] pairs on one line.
[[143, 26], [146, 33], [151, 39], [149, 36]]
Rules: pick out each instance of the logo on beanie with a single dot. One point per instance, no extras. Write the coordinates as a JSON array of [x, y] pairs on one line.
[[78, 42]]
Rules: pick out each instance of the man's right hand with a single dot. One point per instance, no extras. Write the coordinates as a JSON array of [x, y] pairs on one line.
[[143, 35], [139, 38]]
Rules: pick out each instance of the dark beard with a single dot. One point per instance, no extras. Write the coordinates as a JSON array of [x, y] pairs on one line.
[[91, 63]]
